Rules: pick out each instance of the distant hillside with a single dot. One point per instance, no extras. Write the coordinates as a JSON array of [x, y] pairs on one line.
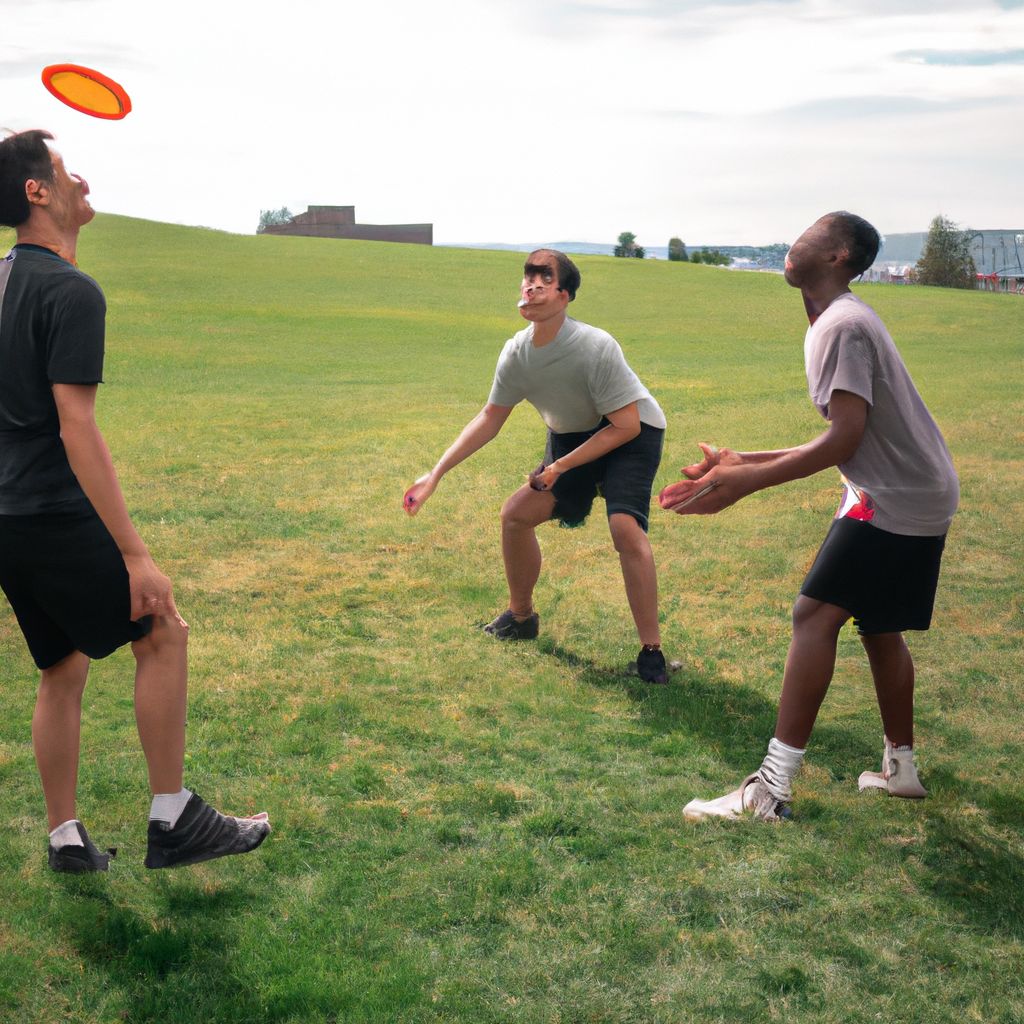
[[765, 257]]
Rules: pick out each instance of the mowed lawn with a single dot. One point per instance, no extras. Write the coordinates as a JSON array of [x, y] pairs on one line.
[[475, 832]]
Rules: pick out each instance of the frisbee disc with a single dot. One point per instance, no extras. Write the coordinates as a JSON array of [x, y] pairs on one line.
[[87, 91]]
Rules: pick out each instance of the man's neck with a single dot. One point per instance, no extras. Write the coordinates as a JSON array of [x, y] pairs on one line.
[[546, 331], [816, 301], [49, 237]]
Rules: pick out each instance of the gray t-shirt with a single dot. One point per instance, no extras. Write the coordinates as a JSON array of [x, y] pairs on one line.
[[901, 476], [572, 381]]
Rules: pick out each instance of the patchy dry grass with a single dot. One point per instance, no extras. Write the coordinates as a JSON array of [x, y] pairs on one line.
[[473, 832]]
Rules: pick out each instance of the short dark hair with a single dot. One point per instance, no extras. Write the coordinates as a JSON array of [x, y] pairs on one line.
[[23, 155], [861, 239], [568, 272]]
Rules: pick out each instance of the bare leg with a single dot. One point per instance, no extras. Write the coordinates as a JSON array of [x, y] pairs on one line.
[[521, 514], [161, 679], [809, 668], [893, 671], [56, 729], [638, 573]]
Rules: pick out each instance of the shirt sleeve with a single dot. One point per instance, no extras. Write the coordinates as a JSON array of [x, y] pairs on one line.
[[613, 384], [845, 362], [76, 334], [507, 388]]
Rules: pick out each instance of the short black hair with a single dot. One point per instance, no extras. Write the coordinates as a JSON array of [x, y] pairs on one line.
[[568, 272], [861, 239], [23, 155]]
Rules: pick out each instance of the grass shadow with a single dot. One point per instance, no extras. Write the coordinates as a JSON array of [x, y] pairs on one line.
[[975, 873], [736, 720], [176, 967]]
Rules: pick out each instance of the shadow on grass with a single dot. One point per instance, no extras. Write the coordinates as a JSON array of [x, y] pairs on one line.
[[975, 872], [736, 720], [177, 967]]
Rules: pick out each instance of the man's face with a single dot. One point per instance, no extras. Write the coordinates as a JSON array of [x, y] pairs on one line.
[[815, 251], [68, 195], [540, 296]]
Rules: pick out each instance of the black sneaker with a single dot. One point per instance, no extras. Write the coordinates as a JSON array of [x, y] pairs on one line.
[[650, 665], [77, 860], [202, 833], [507, 627]]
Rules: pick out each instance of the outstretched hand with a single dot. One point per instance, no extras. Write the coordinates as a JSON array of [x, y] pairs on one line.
[[417, 495], [711, 485], [708, 463]]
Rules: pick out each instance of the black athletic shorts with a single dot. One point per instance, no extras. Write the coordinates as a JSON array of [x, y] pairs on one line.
[[887, 581], [68, 585], [624, 477]]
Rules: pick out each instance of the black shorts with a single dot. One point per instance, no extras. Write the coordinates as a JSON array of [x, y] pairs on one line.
[[887, 581], [624, 477], [68, 585]]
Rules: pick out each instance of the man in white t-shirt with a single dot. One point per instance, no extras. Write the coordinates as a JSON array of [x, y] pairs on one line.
[[880, 562], [605, 434]]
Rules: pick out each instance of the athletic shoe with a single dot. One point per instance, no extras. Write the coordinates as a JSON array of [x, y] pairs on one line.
[[202, 833], [507, 627], [753, 796], [80, 859], [650, 665], [898, 776]]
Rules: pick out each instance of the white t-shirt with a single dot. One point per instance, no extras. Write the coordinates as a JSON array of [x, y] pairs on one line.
[[901, 477], [572, 381]]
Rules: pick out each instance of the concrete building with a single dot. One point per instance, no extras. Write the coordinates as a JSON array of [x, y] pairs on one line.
[[340, 222]]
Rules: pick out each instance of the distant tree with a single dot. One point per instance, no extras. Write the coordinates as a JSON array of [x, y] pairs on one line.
[[712, 257], [677, 250], [946, 260], [269, 218], [628, 248]]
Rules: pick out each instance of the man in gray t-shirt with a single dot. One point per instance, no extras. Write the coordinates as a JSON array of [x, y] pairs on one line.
[[605, 434], [880, 562]]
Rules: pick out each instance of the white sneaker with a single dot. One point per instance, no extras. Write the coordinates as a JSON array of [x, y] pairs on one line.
[[898, 776], [753, 796]]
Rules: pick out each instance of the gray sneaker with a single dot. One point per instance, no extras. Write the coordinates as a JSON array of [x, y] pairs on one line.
[[507, 627], [201, 833], [78, 860]]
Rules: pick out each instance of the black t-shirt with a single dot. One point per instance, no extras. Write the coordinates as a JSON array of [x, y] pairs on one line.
[[51, 332]]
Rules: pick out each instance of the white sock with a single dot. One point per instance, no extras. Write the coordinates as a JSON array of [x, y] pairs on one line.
[[168, 806], [66, 834], [779, 768]]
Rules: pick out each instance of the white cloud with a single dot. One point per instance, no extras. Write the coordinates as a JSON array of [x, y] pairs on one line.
[[523, 119]]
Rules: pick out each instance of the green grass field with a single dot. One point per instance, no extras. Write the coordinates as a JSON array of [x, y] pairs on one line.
[[474, 832]]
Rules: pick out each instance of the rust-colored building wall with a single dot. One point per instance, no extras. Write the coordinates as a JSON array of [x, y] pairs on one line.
[[340, 222]]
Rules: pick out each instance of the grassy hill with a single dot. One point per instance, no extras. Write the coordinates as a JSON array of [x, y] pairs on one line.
[[473, 832]]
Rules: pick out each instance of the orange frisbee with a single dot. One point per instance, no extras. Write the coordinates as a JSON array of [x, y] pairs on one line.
[[87, 91]]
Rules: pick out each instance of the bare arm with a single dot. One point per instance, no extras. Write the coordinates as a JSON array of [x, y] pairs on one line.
[[482, 428], [623, 426], [737, 474], [91, 463]]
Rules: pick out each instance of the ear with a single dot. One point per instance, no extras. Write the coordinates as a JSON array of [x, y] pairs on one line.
[[840, 255], [37, 192]]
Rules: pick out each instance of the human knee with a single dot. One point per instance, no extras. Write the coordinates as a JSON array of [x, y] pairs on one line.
[[67, 678], [628, 535], [167, 637], [817, 616], [885, 645], [518, 513]]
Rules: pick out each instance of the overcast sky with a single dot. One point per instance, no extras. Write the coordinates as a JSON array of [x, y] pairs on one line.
[[720, 121]]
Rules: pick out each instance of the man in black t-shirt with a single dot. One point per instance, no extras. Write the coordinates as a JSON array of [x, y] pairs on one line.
[[77, 574]]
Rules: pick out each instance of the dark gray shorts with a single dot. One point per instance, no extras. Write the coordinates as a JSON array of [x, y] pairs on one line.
[[886, 581], [68, 585], [624, 477]]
